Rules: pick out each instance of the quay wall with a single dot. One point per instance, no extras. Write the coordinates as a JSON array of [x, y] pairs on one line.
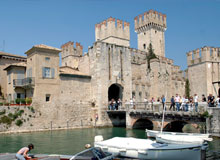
[[213, 122], [48, 116]]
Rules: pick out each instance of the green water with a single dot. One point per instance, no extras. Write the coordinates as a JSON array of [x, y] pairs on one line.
[[72, 141]]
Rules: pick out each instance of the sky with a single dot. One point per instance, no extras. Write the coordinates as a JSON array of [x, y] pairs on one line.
[[191, 24]]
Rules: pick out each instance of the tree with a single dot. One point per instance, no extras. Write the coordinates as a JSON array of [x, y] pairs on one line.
[[187, 88], [150, 55]]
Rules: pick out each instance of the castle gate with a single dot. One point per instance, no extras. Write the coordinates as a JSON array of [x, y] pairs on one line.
[[115, 92]]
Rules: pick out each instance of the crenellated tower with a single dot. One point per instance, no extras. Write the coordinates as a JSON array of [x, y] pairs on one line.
[[114, 32], [70, 54], [150, 28]]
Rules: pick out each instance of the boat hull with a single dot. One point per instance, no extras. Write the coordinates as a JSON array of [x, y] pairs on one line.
[[136, 148]]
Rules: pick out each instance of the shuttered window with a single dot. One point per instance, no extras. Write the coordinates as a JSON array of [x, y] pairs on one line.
[[48, 72]]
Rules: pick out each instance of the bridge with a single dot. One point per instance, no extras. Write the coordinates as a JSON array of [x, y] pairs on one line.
[[149, 116]]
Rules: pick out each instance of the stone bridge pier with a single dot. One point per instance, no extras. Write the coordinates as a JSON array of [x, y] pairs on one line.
[[172, 122]]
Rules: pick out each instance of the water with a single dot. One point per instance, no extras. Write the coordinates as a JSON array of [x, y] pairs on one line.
[[72, 141]]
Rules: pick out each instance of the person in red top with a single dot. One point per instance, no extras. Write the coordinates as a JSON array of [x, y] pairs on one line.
[[22, 153]]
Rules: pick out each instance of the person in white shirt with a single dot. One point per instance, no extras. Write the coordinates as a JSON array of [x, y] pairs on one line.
[[183, 103], [177, 101], [218, 101], [195, 99]]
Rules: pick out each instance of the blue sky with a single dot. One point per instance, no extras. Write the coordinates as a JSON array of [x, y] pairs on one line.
[[191, 24]]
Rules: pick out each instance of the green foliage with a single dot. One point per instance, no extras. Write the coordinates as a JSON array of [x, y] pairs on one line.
[[6, 120], [19, 122], [20, 112], [206, 115], [187, 88], [28, 100], [1, 104], [10, 115], [18, 101], [2, 112], [23, 101], [15, 116], [150, 55], [32, 109]]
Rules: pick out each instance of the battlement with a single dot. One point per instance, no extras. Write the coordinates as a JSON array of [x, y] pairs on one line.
[[69, 49], [150, 19], [202, 55], [112, 31]]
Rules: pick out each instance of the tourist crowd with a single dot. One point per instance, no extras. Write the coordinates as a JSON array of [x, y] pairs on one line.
[[177, 103]]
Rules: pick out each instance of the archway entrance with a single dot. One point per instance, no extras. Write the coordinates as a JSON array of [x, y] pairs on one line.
[[143, 124], [115, 92], [175, 126]]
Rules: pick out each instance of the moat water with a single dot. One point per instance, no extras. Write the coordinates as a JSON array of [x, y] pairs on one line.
[[72, 141]]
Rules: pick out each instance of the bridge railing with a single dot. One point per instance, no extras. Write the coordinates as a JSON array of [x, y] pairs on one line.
[[158, 107]]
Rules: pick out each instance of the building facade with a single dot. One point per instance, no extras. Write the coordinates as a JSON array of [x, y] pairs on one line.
[[111, 69]]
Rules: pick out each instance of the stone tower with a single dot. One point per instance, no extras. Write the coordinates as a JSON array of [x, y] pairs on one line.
[[70, 54], [150, 28], [203, 70], [107, 31]]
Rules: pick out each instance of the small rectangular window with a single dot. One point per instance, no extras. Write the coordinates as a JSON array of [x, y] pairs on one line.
[[9, 77], [47, 58], [47, 97]]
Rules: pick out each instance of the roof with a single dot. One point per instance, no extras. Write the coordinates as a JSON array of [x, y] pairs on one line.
[[43, 46], [46, 47], [65, 70], [12, 55], [23, 65]]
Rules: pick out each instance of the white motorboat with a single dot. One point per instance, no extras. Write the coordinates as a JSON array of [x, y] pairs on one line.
[[148, 149], [181, 139], [153, 134], [92, 153]]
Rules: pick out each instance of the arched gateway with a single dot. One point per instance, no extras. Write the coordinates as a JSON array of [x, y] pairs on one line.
[[115, 92]]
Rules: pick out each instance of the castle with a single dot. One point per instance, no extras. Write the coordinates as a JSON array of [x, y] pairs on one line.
[[109, 70]]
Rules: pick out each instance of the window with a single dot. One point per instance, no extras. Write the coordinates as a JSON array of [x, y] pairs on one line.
[[47, 97], [144, 46], [29, 72], [9, 77], [47, 58], [48, 72]]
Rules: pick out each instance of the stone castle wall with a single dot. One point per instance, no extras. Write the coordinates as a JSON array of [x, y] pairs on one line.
[[163, 78], [203, 70]]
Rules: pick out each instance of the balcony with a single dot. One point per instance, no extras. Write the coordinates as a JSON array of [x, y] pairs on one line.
[[24, 83]]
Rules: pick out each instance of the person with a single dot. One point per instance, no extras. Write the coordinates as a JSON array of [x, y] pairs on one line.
[[172, 103], [163, 99], [145, 102], [196, 102], [190, 103], [119, 103], [218, 101], [211, 100], [203, 98], [177, 101], [186, 104], [183, 103], [22, 153]]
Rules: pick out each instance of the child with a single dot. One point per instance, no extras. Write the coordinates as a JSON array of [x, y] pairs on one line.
[[22, 153]]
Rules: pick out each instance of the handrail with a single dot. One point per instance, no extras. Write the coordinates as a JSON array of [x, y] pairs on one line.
[[24, 82]]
